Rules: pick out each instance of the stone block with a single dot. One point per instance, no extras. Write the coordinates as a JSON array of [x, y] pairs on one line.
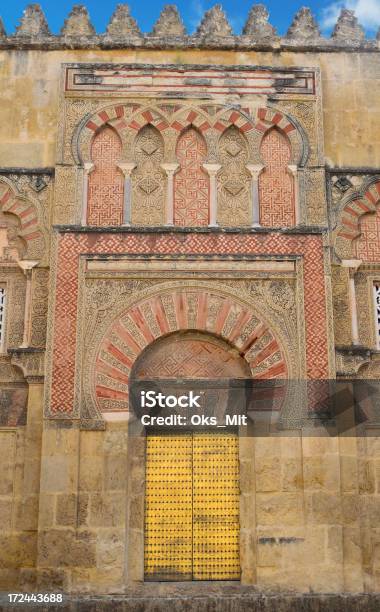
[[6, 507], [53, 580], [352, 546], [110, 549], [279, 509], [366, 476], [17, 550], [115, 441], [268, 473], [321, 472], [351, 508], [349, 473], [91, 473], [66, 510], [269, 553], [291, 474], [107, 510], [326, 508], [115, 472]]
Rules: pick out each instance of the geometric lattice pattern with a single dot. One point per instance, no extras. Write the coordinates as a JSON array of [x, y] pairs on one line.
[[367, 246], [189, 357], [173, 311], [376, 296], [276, 185], [191, 183], [106, 181], [308, 247]]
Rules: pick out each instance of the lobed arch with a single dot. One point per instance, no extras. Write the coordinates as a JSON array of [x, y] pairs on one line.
[[29, 229], [173, 118], [362, 202], [160, 313]]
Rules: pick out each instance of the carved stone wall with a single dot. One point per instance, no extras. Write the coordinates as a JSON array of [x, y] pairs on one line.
[[191, 183], [39, 307], [106, 183], [148, 179], [170, 125], [341, 305], [234, 194]]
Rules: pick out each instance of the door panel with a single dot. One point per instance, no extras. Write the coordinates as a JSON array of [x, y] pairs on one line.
[[192, 507], [216, 553], [168, 508]]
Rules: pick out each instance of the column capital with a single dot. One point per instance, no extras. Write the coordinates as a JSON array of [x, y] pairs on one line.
[[126, 167], [293, 168], [254, 170], [352, 264], [170, 167], [212, 169], [88, 167], [26, 265]]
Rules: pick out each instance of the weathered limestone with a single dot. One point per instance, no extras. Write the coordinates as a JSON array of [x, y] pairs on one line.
[[304, 27], [122, 25], [347, 27], [33, 22], [78, 23], [257, 26], [214, 24], [169, 23]]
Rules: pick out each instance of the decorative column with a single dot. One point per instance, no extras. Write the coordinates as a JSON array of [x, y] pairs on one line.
[[126, 169], [212, 170], [353, 265], [293, 171], [255, 170], [26, 267], [170, 169], [88, 167]]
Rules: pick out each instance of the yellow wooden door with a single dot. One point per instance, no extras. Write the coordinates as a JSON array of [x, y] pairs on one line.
[[192, 507]]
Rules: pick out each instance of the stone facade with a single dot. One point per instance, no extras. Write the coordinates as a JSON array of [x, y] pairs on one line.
[[152, 193]]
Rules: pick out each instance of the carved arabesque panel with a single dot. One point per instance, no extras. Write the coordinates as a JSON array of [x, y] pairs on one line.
[[40, 294], [276, 185], [148, 179], [234, 194], [191, 183], [106, 181]]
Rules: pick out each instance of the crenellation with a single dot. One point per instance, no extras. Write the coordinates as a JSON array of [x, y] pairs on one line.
[[304, 27], [33, 23], [347, 28], [122, 25], [257, 27], [169, 23], [214, 25], [169, 31], [78, 23]]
